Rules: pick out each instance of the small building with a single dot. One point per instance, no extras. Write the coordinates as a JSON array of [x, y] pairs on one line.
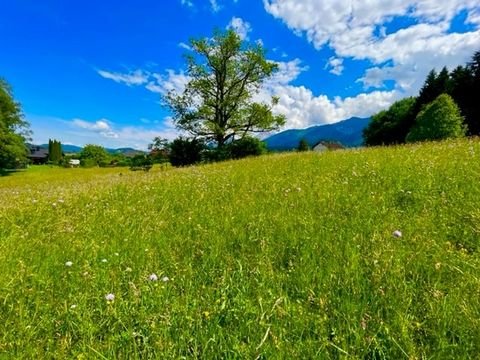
[[74, 163], [38, 155], [327, 145]]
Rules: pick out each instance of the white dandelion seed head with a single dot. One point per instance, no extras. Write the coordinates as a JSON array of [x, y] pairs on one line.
[[153, 277], [68, 263], [397, 234], [110, 297]]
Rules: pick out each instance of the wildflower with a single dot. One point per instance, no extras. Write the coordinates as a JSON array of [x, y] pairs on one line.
[[104, 260], [61, 201], [165, 279], [128, 269], [68, 263], [117, 254], [397, 234], [110, 297], [73, 306], [153, 277]]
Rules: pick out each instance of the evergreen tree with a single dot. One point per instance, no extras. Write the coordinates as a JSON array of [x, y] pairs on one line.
[[303, 145]]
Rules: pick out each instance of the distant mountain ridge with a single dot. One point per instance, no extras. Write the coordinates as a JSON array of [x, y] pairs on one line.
[[347, 132], [73, 149]]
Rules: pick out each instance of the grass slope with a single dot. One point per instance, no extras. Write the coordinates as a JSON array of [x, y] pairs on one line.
[[284, 256]]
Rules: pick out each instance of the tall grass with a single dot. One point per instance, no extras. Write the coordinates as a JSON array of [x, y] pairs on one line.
[[283, 256]]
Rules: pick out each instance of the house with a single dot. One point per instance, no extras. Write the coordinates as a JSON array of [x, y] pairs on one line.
[[74, 163], [37, 155], [327, 145]]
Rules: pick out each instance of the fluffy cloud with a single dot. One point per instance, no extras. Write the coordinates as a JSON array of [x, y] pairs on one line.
[[335, 65], [101, 127], [137, 77], [241, 27], [358, 30], [154, 82], [302, 108], [107, 133]]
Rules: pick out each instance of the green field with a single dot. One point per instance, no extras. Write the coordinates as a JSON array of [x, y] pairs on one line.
[[283, 256]]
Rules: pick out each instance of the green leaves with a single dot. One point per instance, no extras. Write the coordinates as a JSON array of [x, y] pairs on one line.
[[13, 130], [217, 103], [441, 119]]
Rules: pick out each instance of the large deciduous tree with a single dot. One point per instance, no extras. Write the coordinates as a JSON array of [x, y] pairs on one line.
[[217, 104], [13, 130], [441, 119]]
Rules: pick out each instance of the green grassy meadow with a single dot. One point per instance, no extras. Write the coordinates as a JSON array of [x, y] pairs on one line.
[[283, 256]]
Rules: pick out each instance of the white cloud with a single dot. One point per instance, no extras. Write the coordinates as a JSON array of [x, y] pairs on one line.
[[102, 132], [240, 26], [358, 30], [101, 127], [187, 3], [171, 81], [214, 5], [137, 77], [185, 46], [154, 82], [335, 65], [302, 108]]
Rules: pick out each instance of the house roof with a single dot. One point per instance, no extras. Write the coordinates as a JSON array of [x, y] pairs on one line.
[[37, 152], [329, 145]]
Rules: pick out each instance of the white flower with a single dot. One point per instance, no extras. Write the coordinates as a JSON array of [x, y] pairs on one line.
[[68, 263], [110, 297], [165, 279], [104, 260], [128, 269], [117, 254], [397, 234], [73, 306], [153, 277]]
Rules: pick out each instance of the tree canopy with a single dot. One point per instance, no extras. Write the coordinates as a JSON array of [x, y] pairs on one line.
[[462, 84], [441, 119], [217, 104], [389, 126], [93, 155], [14, 130]]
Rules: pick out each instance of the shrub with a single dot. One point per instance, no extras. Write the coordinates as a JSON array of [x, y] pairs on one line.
[[441, 119], [248, 146], [184, 152]]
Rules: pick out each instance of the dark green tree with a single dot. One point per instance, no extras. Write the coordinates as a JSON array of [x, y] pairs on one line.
[[247, 146], [441, 119], [217, 103], [54, 151], [185, 151], [303, 145], [14, 130], [390, 126]]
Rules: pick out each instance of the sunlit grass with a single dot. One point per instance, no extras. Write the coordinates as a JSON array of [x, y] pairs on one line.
[[283, 256]]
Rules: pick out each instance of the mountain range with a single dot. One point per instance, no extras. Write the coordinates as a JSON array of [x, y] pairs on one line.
[[73, 149], [347, 132]]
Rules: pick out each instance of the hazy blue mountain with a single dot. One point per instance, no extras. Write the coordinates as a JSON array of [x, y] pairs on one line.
[[73, 149], [347, 132]]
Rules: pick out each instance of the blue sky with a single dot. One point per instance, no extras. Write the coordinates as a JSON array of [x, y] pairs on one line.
[[94, 71]]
